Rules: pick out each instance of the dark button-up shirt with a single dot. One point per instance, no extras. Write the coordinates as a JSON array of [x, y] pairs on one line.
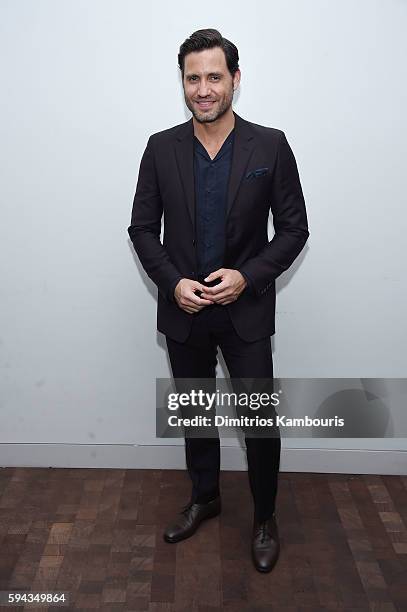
[[211, 188]]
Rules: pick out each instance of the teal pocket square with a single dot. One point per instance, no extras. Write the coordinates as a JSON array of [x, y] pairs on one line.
[[256, 173]]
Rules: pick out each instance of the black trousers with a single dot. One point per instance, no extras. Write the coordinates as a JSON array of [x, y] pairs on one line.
[[197, 358]]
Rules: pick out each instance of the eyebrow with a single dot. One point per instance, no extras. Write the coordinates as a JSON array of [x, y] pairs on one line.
[[189, 74]]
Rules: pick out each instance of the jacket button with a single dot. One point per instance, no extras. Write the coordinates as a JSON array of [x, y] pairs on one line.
[[193, 242]]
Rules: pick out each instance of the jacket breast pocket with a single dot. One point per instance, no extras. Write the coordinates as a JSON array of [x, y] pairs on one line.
[[256, 185], [256, 173]]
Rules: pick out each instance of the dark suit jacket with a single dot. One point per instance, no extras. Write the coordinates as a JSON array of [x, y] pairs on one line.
[[263, 177]]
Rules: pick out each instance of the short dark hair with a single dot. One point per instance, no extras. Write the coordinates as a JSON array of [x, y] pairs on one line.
[[208, 39]]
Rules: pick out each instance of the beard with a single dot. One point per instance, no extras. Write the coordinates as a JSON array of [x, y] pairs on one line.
[[221, 107]]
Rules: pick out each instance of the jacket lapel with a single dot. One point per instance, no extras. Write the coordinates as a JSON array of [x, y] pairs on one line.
[[243, 148], [184, 153]]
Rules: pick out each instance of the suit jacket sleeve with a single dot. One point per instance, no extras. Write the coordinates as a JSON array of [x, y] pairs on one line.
[[250, 286], [145, 227], [289, 220]]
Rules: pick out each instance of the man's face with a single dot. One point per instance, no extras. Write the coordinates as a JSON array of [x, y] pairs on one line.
[[208, 84]]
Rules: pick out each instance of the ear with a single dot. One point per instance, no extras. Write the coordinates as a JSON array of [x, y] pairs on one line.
[[236, 79]]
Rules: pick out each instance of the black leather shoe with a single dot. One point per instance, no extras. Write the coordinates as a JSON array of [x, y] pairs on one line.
[[265, 544], [190, 518]]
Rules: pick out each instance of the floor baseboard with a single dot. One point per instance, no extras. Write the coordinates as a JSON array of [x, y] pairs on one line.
[[323, 460]]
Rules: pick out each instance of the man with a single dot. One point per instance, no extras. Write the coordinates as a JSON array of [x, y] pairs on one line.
[[215, 178]]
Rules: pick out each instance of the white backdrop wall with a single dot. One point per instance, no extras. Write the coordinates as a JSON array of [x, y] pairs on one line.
[[84, 83]]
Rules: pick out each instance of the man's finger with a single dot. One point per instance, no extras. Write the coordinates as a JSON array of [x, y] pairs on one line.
[[226, 301], [214, 275], [193, 299], [205, 302], [222, 286], [199, 288], [224, 294], [191, 307], [201, 301], [227, 298]]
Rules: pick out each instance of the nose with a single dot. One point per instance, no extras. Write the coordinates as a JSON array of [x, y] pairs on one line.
[[203, 89]]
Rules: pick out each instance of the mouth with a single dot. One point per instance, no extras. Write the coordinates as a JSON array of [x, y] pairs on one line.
[[205, 104]]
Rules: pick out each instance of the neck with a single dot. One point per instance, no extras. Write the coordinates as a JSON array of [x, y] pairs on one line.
[[215, 131]]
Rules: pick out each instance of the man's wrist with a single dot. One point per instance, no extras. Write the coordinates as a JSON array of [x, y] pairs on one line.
[[249, 282], [171, 291]]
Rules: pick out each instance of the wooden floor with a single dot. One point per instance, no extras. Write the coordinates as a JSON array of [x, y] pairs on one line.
[[97, 535]]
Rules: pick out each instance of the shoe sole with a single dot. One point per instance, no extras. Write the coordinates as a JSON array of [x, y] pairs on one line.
[[185, 537]]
